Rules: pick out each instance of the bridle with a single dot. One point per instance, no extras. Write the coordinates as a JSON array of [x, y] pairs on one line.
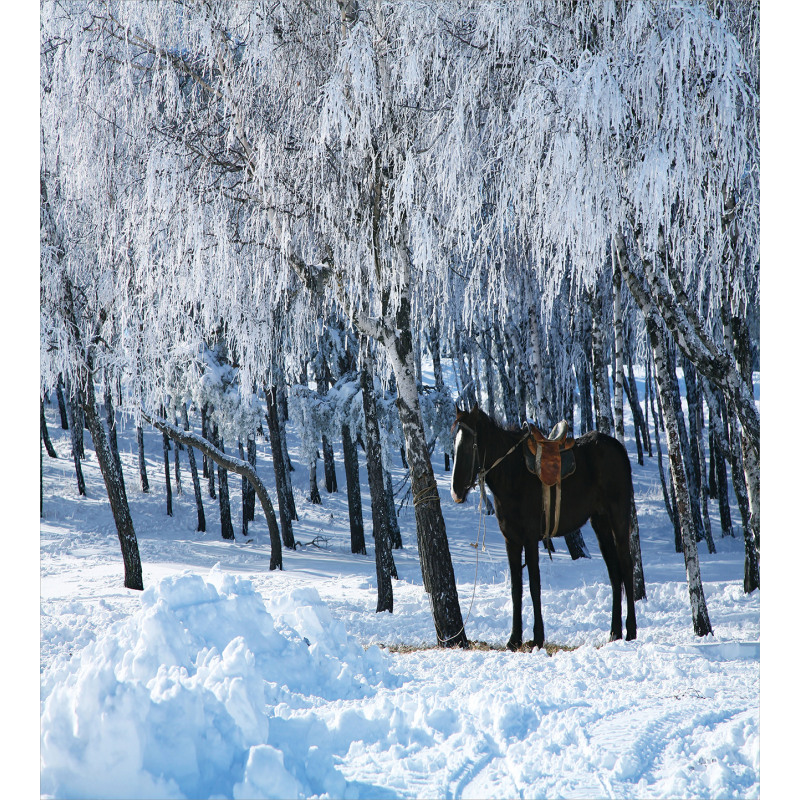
[[480, 474], [472, 470]]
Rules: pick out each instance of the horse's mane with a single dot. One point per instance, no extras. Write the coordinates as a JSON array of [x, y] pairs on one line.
[[509, 430]]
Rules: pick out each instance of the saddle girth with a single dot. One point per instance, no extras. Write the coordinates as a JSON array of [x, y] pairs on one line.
[[551, 459]]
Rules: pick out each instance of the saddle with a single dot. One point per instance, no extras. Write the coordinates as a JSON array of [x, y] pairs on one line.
[[550, 459]]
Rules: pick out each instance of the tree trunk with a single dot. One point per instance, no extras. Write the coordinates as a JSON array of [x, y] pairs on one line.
[[638, 422], [749, 440], [178, 448], [166, 468], [279, 467], [329, 466], [437, 566], [234, 465], [283, 408], [647, 404], [251, 492], [467, 392], [488, 376], [584, 381], [224, 495], [48, 445], [664, 376], [518, 376], [111, 422], [713, 494], [692, 485], [327, 449], [394, 527], [115, 487], [473, 368], [142, 464], [281, 405], [718, 437], [655, 402], [752, 579], [357, 543], [602, 401], [639, 591], [198, 495], [537, 367], [313, 488], [697, 449], [434, 344], [753, 482], [112, 476], [208, 470], [619, 375], [206, 435], [75, 418], [76, 434], [722, 490], [62, 407], [395, 335], [384, 561], [245, 491], [506, 390], [668, 390]]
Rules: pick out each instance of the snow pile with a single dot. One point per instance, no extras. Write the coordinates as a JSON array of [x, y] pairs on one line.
[[179, 699]]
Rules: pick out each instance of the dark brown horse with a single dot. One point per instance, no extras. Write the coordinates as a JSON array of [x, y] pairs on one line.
[[600, 490]]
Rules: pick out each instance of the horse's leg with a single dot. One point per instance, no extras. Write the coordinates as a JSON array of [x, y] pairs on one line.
[[514, 552], [621, 523], [532, 560], [605, 538]]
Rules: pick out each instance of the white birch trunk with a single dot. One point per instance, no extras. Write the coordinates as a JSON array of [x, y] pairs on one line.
[[700, 618], [602, 400], [619, 429]]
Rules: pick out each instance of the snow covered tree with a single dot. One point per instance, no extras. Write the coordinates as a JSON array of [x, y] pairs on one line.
[[288, 162]]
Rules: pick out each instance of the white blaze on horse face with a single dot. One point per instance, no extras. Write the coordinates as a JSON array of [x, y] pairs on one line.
[[459, 437]]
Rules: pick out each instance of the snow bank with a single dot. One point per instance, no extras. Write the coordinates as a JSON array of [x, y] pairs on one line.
[[179, 699]]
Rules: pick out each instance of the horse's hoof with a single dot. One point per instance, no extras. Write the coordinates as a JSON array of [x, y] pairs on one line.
[[538, 644], [630, 637], [615, 637], [514, 644]]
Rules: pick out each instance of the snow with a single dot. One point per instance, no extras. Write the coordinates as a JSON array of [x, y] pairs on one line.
[[223, 679]]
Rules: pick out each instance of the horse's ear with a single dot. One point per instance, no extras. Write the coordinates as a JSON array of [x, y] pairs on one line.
[[458, 410], [474, 408]]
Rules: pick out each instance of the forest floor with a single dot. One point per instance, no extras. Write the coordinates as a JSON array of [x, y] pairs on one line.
[[224, 679]]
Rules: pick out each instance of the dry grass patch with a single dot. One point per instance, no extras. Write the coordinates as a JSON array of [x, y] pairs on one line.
[[527, 647]]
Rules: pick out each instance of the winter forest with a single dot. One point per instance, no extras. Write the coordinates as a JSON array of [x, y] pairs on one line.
[[281, 244]]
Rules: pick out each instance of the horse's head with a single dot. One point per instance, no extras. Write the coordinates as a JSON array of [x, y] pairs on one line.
[[465, 454]]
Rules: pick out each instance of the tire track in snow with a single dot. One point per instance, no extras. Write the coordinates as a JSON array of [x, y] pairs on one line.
[[471, 768], [638, 739]]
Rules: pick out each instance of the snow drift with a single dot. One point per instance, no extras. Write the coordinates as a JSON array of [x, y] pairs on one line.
[[172, 702]]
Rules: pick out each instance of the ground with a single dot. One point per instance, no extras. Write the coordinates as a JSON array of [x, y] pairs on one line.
[[279, 684]]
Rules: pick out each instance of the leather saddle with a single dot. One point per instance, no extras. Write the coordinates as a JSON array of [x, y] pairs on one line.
[[550, 458]]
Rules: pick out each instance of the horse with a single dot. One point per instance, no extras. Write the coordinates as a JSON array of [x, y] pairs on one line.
[[600, 490]]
